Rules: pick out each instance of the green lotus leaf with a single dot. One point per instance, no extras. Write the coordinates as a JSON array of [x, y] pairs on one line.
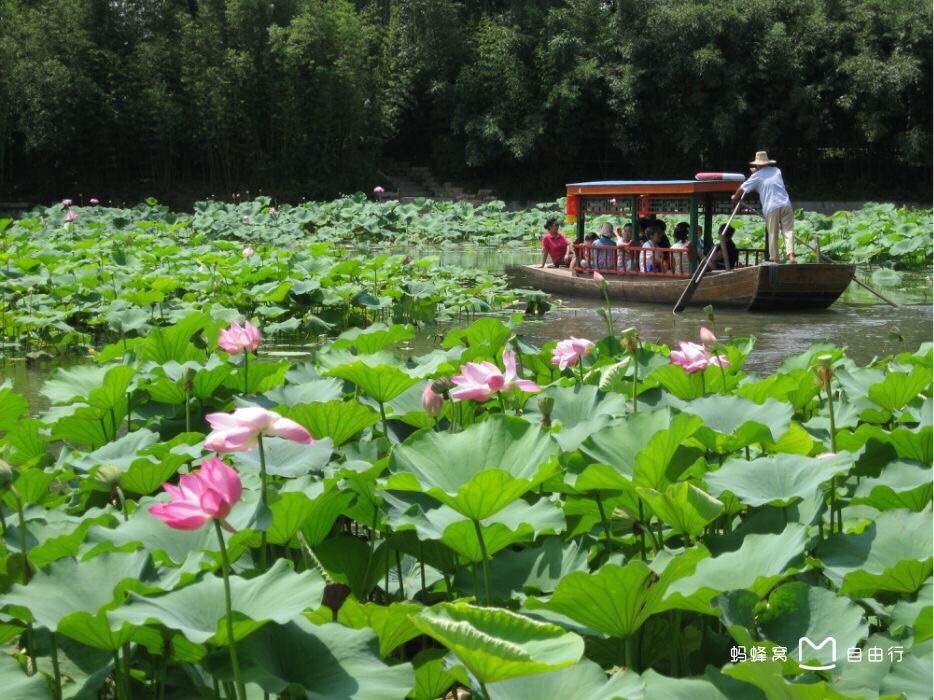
[[338, 420], [349, 560], [70, 384], [434, 675], [28, 443], [516, 522], [12, 407], [392, 623], [898, 388], [768, 677], [780, 480], [915, 615], [91, 584], [382, 382], [121, 453], [374, 338], [16, 684], [713, 685], [910, 677], [534, 570], [917, 445], [287, 458], [305, 387], [759, 563], [487, 333], [585, 679], [795, 610], [175, 342], [497, 644], [796, 387], [478, 471], [616, 600], [325, 509], [903, 484], [689, 386], [882, 557], [731, 422], [330, 661], [647, 448], [581, 411], [683, 506], [197, 609]]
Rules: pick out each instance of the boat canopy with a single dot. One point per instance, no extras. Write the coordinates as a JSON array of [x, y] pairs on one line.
[[592, 203]]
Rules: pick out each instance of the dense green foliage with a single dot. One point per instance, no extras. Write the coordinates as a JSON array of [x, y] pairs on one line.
[[634, 531], [75, 276], [299, 97]]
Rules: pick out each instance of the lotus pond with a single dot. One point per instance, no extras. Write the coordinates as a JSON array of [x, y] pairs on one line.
[[192, 516]]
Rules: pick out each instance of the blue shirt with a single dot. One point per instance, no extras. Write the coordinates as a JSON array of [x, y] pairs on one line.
[[605, 258], [768, 182]]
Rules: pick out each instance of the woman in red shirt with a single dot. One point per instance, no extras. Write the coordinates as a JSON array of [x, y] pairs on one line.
[[554, 244]]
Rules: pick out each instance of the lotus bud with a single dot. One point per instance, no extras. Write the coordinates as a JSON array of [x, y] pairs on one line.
[[708, 339], [600, 280], [442, 386], [432, 402], [630, 339], [824, 370], [709, 311], [107, 476], [545, 405]]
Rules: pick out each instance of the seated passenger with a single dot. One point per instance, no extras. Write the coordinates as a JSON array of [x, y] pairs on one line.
[[649, 259], [586, 254], [624, 241], [605, 259], [679, 262], [716, 260], [555, 245]]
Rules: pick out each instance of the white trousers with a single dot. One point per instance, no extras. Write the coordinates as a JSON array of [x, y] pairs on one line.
[[783, 219]]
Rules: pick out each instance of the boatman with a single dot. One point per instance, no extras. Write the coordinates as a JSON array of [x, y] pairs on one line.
[[554, 244], [767, 180]]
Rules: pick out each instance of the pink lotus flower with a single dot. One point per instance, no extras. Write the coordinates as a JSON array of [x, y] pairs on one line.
[[200, 496], [272, 210], [480, 380], [245, 219], [567, 352], [695, 358], [378, 190], [248, 252], [432, 403], [67, 202], [240, 431], [71, 216], [94, 200], [236, 339]]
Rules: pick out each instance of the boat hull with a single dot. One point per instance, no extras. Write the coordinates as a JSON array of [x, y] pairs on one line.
[[765, 287]]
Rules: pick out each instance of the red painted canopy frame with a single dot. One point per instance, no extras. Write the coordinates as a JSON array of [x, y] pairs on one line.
[[635, 199]]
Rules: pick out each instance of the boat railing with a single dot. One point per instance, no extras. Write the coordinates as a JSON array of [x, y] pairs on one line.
[[633, 260]]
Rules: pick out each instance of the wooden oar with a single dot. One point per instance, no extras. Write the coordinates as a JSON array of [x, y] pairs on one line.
[[702, 268], [837, 262]]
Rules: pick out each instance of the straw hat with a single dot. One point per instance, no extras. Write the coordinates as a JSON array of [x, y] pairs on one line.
[[762, 158], [606, 229]]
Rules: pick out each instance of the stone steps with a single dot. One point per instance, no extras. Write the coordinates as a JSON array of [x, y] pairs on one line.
[[411, 181]]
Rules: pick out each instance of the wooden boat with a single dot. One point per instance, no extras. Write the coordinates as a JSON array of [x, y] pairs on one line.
[[756, 284], [764, 287]]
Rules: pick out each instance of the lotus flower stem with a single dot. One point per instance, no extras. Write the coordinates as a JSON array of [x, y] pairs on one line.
[[56, 670], [264, 496], [246, 372], [228, 606], [606, 526], [642, 530], [485, 563], [399, 573]]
